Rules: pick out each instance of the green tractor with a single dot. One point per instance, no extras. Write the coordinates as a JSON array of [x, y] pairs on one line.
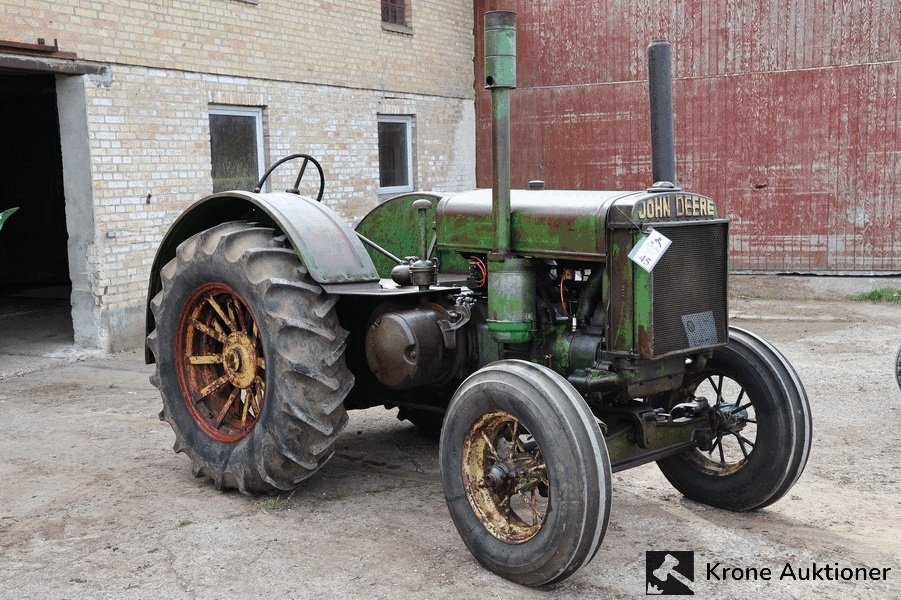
[[549, 337]]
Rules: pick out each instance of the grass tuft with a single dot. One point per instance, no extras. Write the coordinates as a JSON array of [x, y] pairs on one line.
[[880, 295], [274, 504]]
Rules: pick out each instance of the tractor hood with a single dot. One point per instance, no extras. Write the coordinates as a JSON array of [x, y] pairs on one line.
[[559, 223]]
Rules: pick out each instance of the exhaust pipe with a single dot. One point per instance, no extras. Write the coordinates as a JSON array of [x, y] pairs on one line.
[[660, 92], [500, 78]]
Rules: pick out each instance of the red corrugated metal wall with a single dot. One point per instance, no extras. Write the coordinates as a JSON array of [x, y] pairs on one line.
[[786, 113]]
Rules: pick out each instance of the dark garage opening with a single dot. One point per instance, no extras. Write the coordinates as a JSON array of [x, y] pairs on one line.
[[35, 309]]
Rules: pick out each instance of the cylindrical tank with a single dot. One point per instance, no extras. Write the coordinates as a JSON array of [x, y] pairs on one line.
[[511, 300]]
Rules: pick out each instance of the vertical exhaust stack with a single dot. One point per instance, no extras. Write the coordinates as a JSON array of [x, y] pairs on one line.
[[500, 78], [511, 280], [660, 92]]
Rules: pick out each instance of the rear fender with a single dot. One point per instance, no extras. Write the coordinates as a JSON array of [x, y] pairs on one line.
[[324, 242]]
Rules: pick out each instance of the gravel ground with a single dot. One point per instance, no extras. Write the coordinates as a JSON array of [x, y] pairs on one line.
[[97, 505]]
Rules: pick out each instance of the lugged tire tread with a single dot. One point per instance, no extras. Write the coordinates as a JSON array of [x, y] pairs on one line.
[[303, 413]]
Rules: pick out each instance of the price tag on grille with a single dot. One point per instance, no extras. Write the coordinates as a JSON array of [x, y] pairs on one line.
[[649, 249]]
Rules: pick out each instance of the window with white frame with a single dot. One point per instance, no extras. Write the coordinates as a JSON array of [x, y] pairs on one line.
[[395, 154], [236, 146]]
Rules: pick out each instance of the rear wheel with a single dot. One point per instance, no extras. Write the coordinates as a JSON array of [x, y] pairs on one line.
[[249, 359], [761, 424], [525, 472]]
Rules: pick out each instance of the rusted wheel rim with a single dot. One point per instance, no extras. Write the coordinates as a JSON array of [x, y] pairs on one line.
[[505, 477], [220, 363], [734, 422]]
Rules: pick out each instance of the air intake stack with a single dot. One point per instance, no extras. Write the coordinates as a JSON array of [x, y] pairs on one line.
[[511, 281]]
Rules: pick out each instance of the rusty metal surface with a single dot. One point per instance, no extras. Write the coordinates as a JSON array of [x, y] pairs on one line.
[[219, 363], [552, 223], [505, 477], [787, 115]]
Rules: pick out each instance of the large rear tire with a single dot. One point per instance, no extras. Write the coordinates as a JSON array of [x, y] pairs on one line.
[[761, 423], [249, 360], [525, 472]]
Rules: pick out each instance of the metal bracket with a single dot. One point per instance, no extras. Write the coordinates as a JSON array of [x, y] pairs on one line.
[[449, 329]]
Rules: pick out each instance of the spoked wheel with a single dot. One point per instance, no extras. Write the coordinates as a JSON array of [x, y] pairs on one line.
[[505, 477], [525, 472], [250, 360], [761, 427], [224, 368]]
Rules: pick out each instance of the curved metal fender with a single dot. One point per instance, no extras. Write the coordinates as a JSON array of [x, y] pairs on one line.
[[325, 243]]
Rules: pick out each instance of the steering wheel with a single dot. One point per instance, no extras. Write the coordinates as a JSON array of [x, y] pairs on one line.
[[294, 190]]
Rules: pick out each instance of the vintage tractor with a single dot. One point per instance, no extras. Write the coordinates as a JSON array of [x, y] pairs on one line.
[[551, 337]]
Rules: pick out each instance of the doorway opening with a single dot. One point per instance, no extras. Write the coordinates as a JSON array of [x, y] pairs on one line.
[[35, 286]]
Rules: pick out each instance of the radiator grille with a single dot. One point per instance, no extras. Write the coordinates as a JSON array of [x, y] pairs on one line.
[[690, 288]]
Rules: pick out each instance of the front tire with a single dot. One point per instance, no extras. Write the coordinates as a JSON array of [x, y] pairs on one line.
[[249, 360], [525, 472], [761, 423]]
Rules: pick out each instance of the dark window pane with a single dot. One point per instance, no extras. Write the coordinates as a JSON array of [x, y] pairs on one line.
[[393, 12], [393, 167], [233, 145]]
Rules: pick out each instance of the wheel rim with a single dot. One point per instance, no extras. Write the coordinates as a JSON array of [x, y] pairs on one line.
[[221, 364], [734, 423], [505, 477]]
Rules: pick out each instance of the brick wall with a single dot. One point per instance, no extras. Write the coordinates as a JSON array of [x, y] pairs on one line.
[[322, 71]]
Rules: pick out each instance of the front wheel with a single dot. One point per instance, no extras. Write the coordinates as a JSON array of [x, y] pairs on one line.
[[761, 426], [525, 472]]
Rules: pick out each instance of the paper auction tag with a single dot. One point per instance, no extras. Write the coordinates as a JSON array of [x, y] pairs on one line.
[[649, 249]]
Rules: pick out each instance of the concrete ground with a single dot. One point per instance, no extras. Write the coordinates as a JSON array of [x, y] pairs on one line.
[[96, 504]]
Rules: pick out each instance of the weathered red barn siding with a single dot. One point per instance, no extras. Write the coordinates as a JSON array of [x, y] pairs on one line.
[[787, 114]]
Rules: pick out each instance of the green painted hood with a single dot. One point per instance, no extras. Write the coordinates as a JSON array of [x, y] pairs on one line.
[[550, 223], [561, 223]]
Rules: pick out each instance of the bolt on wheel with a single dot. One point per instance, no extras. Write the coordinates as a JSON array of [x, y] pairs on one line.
[[505, 477], [222, 369]]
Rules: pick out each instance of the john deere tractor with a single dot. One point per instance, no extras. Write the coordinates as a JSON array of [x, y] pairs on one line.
[[550, 338]]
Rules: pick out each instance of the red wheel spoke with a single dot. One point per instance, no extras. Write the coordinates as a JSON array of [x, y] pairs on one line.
[[239, 313], [206, 359], [228, 322], [257, 394], [246, 407], [216, 335], [226, 406], [212, 387]]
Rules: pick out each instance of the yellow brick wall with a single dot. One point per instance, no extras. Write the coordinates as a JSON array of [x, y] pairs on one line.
[[322, 71], [336, 43]]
